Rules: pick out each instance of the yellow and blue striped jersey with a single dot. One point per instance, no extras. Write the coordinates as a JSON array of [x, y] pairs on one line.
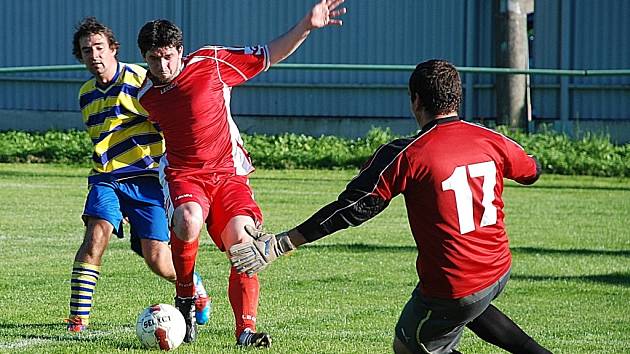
[[126, 144]]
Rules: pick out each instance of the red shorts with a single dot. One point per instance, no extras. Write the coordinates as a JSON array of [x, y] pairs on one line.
[[220, 196]]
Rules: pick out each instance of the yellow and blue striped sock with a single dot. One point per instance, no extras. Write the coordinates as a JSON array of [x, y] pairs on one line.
[[82, 284]]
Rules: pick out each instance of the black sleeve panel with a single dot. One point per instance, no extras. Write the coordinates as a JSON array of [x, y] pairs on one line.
[[362, 199], [352, 208], [538, 168], [538, 173]]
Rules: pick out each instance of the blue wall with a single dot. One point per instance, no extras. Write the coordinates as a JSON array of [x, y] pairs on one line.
[[580, 34]]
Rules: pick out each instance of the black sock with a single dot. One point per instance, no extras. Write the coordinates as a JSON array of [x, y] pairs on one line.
[[494, 327]]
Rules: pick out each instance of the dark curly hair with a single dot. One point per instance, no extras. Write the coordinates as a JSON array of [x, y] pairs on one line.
[[438, 85], [159, 34], [88, 26]]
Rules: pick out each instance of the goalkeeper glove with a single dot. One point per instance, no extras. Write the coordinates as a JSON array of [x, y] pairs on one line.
[[252, 257]]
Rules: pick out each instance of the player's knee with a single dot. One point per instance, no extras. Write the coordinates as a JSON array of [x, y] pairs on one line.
[[94, 245], [157, 256], [187, 225], [187, 228], [161, 268], [96, 238], [234, 232]]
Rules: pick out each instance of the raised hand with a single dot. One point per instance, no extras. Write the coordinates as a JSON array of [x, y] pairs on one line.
[[326, 13]]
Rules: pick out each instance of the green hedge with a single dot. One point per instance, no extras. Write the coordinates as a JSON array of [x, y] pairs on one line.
[[53, 146], [590, 155], [301, 151]]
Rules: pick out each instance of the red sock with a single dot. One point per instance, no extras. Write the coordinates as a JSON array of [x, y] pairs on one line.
[[243, 292], [184, 255]]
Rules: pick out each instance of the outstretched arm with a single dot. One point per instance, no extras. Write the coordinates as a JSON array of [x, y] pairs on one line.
[[324, 13], [351, 209], [381, 179]]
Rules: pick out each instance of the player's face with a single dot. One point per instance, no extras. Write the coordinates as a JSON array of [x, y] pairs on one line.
[[97, 55], [164, 62]]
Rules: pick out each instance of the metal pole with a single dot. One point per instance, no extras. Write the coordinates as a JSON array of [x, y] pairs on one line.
[[469, 80], [511, 52], [565, 57]]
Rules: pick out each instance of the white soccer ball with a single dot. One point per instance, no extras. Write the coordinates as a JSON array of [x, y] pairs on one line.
[[161, 326]]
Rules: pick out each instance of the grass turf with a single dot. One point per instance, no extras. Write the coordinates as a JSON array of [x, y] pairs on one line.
[[570, 285]]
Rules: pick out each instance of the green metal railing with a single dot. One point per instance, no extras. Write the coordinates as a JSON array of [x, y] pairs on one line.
[[359, 67], [7, 75]]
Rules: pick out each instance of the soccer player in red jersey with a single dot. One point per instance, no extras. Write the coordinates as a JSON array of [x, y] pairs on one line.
[[206, 164], [451, 176]]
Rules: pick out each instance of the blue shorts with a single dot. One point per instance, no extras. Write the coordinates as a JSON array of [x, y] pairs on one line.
[[139, 199]]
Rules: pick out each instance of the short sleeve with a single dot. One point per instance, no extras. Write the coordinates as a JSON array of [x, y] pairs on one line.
[[238, 65]]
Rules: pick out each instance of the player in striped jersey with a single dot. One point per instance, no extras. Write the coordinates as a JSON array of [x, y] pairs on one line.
[[123, 182], [451, 176]]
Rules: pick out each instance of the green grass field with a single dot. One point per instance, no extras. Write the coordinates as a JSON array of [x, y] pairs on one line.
[[570, 286]]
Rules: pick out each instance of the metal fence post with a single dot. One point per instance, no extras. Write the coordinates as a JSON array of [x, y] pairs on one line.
[[565, 45]]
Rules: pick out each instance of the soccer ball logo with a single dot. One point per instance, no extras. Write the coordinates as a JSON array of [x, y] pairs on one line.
[[161, 326]]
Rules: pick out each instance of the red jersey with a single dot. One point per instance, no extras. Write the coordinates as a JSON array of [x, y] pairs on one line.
[[451, 176], [193, 110]]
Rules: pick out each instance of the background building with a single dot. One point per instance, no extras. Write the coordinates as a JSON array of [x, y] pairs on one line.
[[565, 34]]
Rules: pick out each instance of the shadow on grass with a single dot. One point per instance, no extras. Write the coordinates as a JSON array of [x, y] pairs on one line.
[[366, 248], [29, 335], [15, 173], [57, 331], [317, 179], [346, 179], [570, 252], [622, 279], [360, 247], [572, 187], [36, 327]]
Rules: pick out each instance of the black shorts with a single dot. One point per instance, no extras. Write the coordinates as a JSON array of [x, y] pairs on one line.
[[431, 325]]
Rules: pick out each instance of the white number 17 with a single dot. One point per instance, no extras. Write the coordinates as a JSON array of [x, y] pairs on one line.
[[458, 182]]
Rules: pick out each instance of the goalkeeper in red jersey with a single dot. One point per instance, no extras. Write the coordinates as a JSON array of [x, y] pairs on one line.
[[451, 176]]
